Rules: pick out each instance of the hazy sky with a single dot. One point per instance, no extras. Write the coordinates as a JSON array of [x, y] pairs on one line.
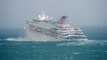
[[14, 13]]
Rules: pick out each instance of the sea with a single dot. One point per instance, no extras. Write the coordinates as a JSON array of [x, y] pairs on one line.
[[13, 46]]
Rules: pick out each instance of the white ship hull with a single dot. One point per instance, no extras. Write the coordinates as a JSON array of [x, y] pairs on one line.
[[37, 36]]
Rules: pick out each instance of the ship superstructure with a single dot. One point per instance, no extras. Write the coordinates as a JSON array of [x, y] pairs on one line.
[[43, 28]]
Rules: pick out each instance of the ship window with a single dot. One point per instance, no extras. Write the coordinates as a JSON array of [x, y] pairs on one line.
[[38, 29], [65, 34], [55, 29]]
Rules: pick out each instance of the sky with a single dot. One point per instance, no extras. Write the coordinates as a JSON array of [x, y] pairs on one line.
[[15, 13]]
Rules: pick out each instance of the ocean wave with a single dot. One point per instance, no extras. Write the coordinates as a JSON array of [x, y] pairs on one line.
[[24, 39], [16, 39], [70, 43], [79, 43]]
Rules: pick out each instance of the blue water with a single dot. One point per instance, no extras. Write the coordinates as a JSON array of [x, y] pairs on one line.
[[13, 46]]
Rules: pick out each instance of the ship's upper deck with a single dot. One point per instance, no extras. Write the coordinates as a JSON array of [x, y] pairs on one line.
[[47, 25]]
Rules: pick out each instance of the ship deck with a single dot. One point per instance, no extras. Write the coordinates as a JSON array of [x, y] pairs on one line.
[[44, 24]]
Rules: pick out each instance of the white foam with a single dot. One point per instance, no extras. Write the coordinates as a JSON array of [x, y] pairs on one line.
[[34, 46], [15, 39], [76, 53], [85, 42], [23, 39], [70, 44]]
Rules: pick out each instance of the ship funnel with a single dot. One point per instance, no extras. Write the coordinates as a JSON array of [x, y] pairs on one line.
[[64, 17], [62, 20]]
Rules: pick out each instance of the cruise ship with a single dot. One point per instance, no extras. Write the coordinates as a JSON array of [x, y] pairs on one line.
[[44, 28]]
